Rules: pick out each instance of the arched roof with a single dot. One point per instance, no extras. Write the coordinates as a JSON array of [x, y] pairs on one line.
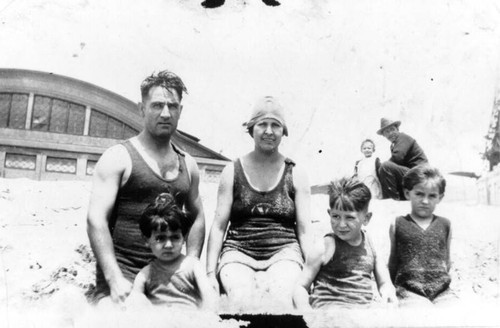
[[82, 116]]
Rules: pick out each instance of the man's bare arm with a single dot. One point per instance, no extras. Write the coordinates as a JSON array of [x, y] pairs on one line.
[[194, 206], [106, 183]]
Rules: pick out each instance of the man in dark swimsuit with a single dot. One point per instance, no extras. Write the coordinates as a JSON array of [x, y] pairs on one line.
[[405, 154], [128, 177]]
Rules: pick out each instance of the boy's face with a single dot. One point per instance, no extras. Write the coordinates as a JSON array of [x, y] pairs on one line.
[[423, 198], [166, 245], [367, 149], [347, 225]]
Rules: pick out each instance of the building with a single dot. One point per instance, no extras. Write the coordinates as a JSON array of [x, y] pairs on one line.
[[54, 127], [489, 183]]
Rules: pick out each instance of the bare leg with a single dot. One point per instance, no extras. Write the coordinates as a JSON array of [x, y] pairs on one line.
[[281, 278], [238, 281]]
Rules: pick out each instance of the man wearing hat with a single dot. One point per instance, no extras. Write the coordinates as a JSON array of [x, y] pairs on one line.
[[405, 154]]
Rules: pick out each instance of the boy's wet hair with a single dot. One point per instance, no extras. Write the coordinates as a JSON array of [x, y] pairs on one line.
[[165, 79], [349, 194], [370, 141], [422, 173], [164, 214]]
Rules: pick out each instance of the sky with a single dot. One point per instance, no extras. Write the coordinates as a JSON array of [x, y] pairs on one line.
[[338, 67]]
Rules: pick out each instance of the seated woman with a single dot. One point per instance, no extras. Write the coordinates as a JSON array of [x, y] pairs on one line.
[[265, 199]]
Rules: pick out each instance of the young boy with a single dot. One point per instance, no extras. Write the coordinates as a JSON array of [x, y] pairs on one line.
[[341, 269], [366, 169], [171, 279], [419, 262]]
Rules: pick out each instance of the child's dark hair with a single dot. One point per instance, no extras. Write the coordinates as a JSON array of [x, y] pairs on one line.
[[164, 214], [370, 141], [349, 194], [422, 173]]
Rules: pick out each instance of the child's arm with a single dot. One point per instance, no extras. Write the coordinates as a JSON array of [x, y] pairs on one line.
[[448, 257], [209, 298], [313, 264], [140, 280], [392, 254], [385, 286]]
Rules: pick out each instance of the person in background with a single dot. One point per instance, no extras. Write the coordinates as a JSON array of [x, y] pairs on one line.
[[405, 154], [366, 169], [264, 197]]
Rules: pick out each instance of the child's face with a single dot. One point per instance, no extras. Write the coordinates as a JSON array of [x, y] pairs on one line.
[[166, 245], [367, 149], [347, 225], [423, 198]]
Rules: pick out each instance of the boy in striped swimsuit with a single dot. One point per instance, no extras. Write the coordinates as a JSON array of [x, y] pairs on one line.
[[340, 271]]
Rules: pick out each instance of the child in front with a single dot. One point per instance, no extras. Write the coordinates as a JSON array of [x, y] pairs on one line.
[[172, 278], [341, 269], [419, 262]]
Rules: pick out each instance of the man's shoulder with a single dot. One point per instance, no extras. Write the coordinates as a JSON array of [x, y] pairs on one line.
[[404, 136]]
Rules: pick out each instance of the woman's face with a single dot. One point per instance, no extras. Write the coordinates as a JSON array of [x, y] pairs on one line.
[[267, 134]]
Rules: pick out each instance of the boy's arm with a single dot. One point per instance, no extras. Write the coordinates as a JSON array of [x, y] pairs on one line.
[[209, 299], [140, 280], [448, 257], [313, 264], [384, 284], [392, 253]]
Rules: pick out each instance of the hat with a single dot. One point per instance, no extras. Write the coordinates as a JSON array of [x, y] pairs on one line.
[[267, 107], [385, 123]]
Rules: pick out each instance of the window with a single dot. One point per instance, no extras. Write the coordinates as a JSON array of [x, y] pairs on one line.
[[13, 110], [56, 115], [76, 119], [90, 167], [98, 124], [21, 162], [115, 129], [41, 113], [61, 165], [129, 132], [59, 116]]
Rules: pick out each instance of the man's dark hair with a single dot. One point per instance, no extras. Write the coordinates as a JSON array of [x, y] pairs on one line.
[[349, 194], [165, 79], [164, 214]]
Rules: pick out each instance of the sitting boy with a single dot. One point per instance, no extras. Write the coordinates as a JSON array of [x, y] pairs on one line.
[[341, 269], [420, 242]]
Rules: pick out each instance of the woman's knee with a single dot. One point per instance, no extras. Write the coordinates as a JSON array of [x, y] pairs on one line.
[[237, 279]]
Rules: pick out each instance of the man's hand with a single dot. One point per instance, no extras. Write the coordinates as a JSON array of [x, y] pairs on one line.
[[119, 289]]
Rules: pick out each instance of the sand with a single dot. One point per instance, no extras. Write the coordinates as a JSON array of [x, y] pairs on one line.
[[46, 264]]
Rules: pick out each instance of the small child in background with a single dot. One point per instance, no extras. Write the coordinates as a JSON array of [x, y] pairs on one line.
[[366, 169], [420, 262], [172, 278], [341, 269]]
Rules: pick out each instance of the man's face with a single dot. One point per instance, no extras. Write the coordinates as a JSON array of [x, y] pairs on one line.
[[161, 110], [391, 133]]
